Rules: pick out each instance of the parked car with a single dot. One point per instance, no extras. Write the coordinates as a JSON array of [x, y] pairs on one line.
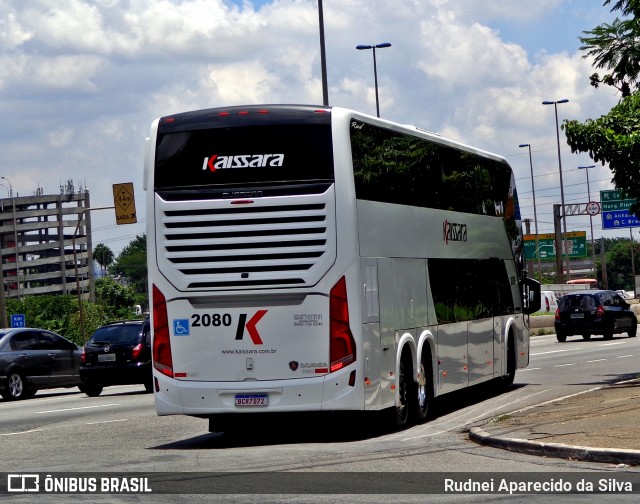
[[33, 359], [623, 294], [549, 302], [594, 312], [117, 354]]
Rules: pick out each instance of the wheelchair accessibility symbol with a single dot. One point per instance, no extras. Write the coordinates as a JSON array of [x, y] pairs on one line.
[[181, 327]]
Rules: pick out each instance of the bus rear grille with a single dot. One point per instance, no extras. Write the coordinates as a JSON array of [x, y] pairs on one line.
[[247, 246]]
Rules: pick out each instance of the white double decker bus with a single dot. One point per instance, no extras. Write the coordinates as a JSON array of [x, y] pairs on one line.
[[308, 258]]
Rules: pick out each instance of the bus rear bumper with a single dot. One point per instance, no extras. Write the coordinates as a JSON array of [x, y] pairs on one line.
[[327, 393]]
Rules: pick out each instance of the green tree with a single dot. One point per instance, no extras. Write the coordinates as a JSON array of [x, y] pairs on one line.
[[619, 270], [117, 300], [59, 313], [103, 255], [132, 264], [615, 48], [614, 138]]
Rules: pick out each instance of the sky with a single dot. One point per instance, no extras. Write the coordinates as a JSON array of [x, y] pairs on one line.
[[82, 80]]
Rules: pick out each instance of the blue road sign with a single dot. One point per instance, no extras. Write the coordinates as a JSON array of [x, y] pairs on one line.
[[18, 320], [615, 219]]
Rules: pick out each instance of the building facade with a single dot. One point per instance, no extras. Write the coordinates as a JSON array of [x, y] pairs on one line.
[[46, 244]]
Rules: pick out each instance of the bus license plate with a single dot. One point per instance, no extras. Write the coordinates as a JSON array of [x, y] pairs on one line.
[[244, 400]]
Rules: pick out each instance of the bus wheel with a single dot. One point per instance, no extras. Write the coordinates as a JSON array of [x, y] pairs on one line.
[[400, 412], [508, 379], [423, 393]]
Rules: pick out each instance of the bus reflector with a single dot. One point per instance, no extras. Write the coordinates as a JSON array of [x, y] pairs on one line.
[[162, 359], [342, 346]]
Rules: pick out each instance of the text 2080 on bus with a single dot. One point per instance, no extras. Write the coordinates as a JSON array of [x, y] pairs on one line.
[[306, 258]]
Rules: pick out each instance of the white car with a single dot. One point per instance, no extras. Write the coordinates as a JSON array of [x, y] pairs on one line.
[[623, 294], [548, 301]]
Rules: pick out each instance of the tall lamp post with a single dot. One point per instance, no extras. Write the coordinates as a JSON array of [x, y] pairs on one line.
[[375, 70], [593, 249], [563, 216], [10, 186], [535, 215]]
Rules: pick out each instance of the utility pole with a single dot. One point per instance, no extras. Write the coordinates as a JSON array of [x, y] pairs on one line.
[[557, 218], [603, 261], [3, 305]]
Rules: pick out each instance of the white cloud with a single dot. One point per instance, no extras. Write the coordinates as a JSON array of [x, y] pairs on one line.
[[12, 33], [81, 80]]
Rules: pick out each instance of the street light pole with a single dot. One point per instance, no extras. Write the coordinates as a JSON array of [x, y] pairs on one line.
[[593, 248], [10, 186], [562, 216], [535, 215], [375, 69]]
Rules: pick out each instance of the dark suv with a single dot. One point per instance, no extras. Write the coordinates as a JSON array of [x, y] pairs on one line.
[[117, 354], [594, 312]]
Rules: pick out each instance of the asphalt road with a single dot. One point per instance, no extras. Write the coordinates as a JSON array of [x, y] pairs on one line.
[[65, 431]]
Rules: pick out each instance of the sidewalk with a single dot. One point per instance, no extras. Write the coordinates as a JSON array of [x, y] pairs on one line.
[[600, 425]]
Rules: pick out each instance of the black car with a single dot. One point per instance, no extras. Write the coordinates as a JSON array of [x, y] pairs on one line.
[[594, 312], [117, 354], [32, 359]]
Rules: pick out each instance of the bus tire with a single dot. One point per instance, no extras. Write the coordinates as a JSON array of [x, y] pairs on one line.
[[400, 412], [507, 380], [423, 391]]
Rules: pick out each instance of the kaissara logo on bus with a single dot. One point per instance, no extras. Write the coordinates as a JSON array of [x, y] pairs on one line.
[[217, 162], [250, 326], [452, 231]]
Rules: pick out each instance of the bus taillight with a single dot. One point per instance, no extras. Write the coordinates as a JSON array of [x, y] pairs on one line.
[[342, 346], [162, 360]]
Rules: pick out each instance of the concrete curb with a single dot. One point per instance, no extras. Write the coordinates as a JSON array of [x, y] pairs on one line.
[[556, 450]]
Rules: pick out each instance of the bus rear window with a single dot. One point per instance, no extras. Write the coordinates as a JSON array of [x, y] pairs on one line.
[[250, 157]]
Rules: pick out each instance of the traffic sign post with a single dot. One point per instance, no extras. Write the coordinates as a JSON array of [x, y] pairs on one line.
[[18, 320], [575, 246], [615, 211], [124, 203]]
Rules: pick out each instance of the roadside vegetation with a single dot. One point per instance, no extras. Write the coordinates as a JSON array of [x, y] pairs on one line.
[[116, 296]]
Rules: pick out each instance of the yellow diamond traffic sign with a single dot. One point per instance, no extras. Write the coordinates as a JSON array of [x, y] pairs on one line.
[[124, 203]]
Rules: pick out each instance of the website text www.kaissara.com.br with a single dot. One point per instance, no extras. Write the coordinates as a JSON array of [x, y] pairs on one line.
[[237, 351]]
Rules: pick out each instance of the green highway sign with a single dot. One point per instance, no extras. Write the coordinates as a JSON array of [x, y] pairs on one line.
[[611, 200], [575, 244]]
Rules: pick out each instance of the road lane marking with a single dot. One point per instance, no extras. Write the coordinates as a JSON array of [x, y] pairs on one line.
[[564, 365], [624, 356], [556, 351], [23, 432], [597, 360], [530, 369], [108, 421], [80, 408], [615, 343]]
